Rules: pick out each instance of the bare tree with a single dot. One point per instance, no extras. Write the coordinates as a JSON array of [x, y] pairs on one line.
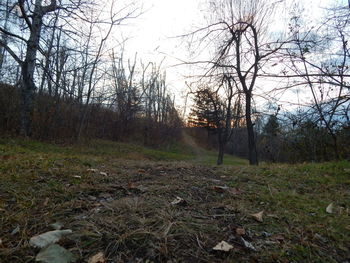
[[37, 16], [239, 29], [219, 116], [33, 15], [4, 19], [319, 61]]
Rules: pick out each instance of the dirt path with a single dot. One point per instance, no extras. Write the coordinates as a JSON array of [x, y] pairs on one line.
[[198, 151]]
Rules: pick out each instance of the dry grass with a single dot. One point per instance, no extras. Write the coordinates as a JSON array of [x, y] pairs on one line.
[[128, 214]]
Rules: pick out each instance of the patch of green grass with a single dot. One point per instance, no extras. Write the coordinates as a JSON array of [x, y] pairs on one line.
[[176, 151], [210, 158], [43, 183], [95, 148], [166, 156], [294, 199]]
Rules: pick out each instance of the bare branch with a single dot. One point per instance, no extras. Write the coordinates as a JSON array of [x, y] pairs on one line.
[[11, 52], [24, 14], [12, 34]]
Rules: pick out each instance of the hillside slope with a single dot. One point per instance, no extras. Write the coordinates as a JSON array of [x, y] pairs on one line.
[[140, 205]]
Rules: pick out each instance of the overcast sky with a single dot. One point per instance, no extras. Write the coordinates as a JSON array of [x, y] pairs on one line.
[[153, 34]]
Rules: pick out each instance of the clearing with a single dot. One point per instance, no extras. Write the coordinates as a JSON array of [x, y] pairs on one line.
[[141, 205]]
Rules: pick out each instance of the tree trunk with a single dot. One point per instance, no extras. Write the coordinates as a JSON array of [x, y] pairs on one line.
[[4, 38], [220, 154], [221, 148], [335, 146], [253, 158], [46, 73], [28, 67], [27, 92]]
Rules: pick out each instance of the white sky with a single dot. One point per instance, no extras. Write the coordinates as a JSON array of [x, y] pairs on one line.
[[152, 35]]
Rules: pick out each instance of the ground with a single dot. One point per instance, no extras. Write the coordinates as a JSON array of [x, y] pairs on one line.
[[170, 205]]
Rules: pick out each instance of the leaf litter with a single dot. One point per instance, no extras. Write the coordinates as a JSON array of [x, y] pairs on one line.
[[223, 246], [98, 258], [132, 225], [330, 208], [258, 216]]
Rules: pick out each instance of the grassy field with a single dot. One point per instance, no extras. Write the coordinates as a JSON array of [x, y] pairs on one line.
[[117, 199]]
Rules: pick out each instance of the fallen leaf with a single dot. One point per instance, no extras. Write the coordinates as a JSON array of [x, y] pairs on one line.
[[103, 173], [98, 258], [223, 246], [48, 238], [278, 237], [77, 176], [141, 171], [132, 185], [220, 189], [46, 202], [235, 191], [258, 216], [247, 244], [240, 231], [330, 208], [55, 254], [178, 201]]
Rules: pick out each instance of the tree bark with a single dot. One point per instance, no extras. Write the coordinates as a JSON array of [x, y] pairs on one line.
[[253, 158], [335, 147], [4, 39], [221, 153], [28, 67]]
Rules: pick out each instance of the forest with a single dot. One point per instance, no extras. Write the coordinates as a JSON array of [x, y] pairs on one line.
[[107, 155]]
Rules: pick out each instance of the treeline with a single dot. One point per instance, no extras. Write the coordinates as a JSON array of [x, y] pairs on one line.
[[303, 70], [282, 139], [302, 134], [151, 120], [64, 75]]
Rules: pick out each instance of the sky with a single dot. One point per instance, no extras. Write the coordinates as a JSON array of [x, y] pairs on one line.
[[153, 35]]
